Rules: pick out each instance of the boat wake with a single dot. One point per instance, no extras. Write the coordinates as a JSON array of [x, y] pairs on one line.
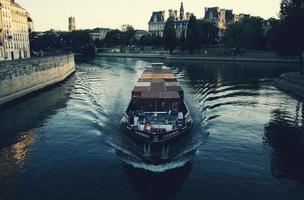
[[177, 162], [132, 156], [158, 168]]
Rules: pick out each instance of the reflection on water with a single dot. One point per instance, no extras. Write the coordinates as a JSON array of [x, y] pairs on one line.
[[247, 143], [30, 112], [285, 134], [11, 157], [18, 121]]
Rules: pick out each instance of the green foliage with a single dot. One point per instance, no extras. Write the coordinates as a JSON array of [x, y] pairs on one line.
[[98, 43], [151, 40], [288, 35], [233, 36], [247, 33], [170, 40], [128, 36], [183, 41], [78, 39], [45, 42], [52, 41], [120, 38], [199, 33], [209, 33], [112, 38], [193, 34]]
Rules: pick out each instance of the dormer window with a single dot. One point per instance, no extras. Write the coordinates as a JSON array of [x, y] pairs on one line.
[[210, 15], [155, 18]]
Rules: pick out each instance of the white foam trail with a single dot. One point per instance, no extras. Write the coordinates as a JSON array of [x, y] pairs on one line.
[[157, 168], [122, 150]]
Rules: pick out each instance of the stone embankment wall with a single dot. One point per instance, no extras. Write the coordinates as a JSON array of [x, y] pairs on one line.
[[21, 77], [291, 83]]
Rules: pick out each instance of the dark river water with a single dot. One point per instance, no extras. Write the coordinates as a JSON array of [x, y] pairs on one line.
[[65, 142]]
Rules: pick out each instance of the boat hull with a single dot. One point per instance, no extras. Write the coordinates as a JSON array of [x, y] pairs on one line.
[[170, 137], [157, 149]]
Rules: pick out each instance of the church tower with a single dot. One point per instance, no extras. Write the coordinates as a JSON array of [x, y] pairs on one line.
[[182, 12], [72, 24]]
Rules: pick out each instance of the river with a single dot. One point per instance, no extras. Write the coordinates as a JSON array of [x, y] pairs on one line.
[[65, 141]]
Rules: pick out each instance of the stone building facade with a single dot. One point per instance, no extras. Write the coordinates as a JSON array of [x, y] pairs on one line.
[[140, 33], [14, 31], [99, 33], [72, 24], [220, 17], [30, 24], [158, 21]]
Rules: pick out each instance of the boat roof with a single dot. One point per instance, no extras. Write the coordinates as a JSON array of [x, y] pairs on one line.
[[158, 82]]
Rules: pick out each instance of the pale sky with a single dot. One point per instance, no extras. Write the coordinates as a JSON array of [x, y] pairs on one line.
[[53, 14]]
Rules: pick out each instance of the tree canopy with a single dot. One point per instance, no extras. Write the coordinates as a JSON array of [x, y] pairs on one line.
[[288, 34], [209, 33], [151, 40], [52, 41], [247, 33], [193, 34], [125, 37], [170, 40]]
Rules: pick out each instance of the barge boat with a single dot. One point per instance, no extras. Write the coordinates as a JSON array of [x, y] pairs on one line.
[[157, 117]]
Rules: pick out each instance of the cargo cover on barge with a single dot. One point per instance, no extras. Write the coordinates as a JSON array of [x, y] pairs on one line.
[[157, 114]]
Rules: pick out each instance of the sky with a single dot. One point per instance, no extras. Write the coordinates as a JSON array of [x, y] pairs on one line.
[[53, 14]]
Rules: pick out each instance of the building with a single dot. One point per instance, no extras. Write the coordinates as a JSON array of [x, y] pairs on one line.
[[140, 33], [14, 31], [30, 25], [158, 21], [240, 17], [99, 33], [72, 24], [220, 17]]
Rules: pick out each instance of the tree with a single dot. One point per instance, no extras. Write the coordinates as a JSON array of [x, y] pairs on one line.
[[78, 39], [193, 35], [54, 41], [151, 40], [98, 43], [247, 33], [288, 35], [112, 38], [47, 42], [233, 36], [269, 35], [127, 35], [209, 33], [116, 38], [170, 40], [182, 41]]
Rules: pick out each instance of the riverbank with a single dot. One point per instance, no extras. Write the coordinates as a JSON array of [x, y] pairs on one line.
[[197, 57], [21, 77], [291, 83]]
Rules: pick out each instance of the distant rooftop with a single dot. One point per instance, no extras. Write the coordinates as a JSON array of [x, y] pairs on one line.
[[157, 17]]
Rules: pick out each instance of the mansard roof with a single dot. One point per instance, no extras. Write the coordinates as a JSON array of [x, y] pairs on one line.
[[29, 19], [229, 15], [213, 10], [159, 16]]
